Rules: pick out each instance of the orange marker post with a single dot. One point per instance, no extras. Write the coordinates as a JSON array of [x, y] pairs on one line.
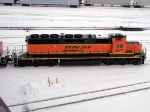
[[49, 82], [56, 80]]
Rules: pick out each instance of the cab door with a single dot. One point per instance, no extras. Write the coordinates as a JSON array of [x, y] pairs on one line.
[[118, 45]]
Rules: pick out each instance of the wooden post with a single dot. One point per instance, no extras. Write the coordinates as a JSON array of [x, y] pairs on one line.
[[56, 80], [49, 82]]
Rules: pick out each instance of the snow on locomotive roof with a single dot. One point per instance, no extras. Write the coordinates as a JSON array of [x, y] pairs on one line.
[[99, 36], [133, 42], [62, 35], [116, 35], [76, 36]]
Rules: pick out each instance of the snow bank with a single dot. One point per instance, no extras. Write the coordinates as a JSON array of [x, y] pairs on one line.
[[34, 88]]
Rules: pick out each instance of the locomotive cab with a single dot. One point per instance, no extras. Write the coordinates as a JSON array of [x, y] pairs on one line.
[[118, 43], [1, 48], [128, 51]]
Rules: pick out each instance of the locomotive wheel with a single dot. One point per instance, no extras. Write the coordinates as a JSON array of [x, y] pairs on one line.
[[36, 63], [21, 64], [45, 63], [123, 62], [3, 65], [8, 4], [74, 6], [108, 62], [15, 65], [28, 63], [52, 63], [135, 62]]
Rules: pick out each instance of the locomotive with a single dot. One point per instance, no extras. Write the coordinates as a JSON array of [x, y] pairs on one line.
[[3, 61], [79, 49]]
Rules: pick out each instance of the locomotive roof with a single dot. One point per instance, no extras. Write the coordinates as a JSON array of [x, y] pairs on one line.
[[133, 42], [117, 35], [65, 36], [74, 36]]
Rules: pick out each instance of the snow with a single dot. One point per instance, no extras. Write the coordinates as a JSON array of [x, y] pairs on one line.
[[81, 97], [19, 85], [125, 103]]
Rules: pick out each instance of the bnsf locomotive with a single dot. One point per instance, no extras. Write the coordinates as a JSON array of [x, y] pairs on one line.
[[3, 61], [80, 49]]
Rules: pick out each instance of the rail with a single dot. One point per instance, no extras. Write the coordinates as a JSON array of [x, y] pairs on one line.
[[81, 97], [71, 28]]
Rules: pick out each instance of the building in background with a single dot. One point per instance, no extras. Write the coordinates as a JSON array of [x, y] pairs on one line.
[[71, 3], [124, 3]]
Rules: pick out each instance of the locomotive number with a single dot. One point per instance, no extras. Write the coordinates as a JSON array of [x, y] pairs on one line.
[[119, 50]]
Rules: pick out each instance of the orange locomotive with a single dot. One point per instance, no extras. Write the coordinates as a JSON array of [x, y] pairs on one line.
[[1, 48], [82, 49], [1, 51], [3, 61]]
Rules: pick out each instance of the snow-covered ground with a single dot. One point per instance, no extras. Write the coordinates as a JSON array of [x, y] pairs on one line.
[[18, 85]]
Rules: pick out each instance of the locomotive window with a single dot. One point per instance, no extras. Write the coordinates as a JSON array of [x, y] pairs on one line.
[[119, 45]]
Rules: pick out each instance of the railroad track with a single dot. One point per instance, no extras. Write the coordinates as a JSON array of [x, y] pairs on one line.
[[56, 28], [81, 97], [66, 28]]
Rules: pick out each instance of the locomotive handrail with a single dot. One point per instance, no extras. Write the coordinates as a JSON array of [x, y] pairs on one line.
[[144, 51], [20, 49]]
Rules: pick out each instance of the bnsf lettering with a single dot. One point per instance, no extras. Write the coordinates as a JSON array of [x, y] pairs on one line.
[[78, 47]]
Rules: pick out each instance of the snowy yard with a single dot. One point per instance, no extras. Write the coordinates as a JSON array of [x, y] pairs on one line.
[[19, 85]]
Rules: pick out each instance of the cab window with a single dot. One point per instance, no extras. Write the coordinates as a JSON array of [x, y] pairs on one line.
[[119, 46]]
